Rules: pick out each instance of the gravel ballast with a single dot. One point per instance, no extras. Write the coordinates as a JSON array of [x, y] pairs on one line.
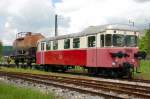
[[59, 92]]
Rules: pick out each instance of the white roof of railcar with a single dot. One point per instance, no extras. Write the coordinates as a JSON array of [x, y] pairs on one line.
[[93, 30]]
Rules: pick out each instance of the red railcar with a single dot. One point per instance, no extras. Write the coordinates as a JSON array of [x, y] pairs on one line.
[[107, 49]]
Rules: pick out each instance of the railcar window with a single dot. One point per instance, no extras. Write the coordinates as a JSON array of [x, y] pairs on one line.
[[66, 43], [76, 42], [55, 45], [102, 40], [118, 40], [131, 40], [42, 46], [48, 45], [108, 39], [91, 41]]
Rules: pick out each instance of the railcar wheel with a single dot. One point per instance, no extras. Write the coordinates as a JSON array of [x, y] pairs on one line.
[[30, 65], [113, 74], [46, 68], [128, 70], [93, 71], [54, 69], [63, 69], [130, 73]]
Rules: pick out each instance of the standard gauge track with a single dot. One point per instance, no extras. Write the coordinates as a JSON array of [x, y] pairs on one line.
[[96, 86], [85, 74], [36, 79]]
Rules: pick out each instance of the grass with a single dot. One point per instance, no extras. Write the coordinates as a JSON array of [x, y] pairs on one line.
[[144, 69], [12, 92], [145, 66], [23, 70], [28, 70]]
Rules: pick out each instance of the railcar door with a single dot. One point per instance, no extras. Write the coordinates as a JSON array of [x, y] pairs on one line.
[[43, 49], [91, 51]]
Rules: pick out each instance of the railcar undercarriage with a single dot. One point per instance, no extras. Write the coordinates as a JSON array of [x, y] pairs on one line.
[[124, 71], [24, 57]]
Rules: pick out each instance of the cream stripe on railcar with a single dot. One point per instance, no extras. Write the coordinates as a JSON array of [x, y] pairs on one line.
[[61, 44], [71, 43], [98, 40], [83, 42]]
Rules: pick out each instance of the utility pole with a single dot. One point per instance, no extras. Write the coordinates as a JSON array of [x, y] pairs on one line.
[[132, 22], [56, 31]]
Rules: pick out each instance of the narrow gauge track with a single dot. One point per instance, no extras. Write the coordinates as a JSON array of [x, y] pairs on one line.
[[136, 91], [84, 74]]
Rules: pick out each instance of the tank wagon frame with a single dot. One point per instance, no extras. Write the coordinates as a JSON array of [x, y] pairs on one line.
[[25, 47]]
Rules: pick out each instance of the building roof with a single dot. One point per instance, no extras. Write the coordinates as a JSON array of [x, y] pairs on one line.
[[7, 50]]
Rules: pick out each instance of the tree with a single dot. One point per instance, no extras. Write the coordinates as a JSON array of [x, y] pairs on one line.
[[1, 47], [148, 41], [144, 42]]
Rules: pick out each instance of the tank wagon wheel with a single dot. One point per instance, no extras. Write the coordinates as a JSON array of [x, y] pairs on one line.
[[17, 64], [8, 60], [29, 63], [23, 61]]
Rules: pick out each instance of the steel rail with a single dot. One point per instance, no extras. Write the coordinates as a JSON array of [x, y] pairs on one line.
[[103, 86], [74, 88], [132, 80]]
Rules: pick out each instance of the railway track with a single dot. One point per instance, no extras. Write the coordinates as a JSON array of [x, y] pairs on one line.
[[84, 74], [100, 88], [40, 80]]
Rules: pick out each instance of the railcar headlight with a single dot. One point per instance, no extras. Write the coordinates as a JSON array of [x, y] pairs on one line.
[[114, 63]]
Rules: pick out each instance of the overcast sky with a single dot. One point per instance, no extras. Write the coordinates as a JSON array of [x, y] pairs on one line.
[[74, 15]]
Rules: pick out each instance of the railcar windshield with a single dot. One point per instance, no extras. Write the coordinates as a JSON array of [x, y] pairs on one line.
[[131, 40], [118, 40], [108, 39]]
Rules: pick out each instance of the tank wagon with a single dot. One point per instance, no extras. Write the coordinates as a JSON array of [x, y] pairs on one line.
[[25, 46], [109, 49]]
